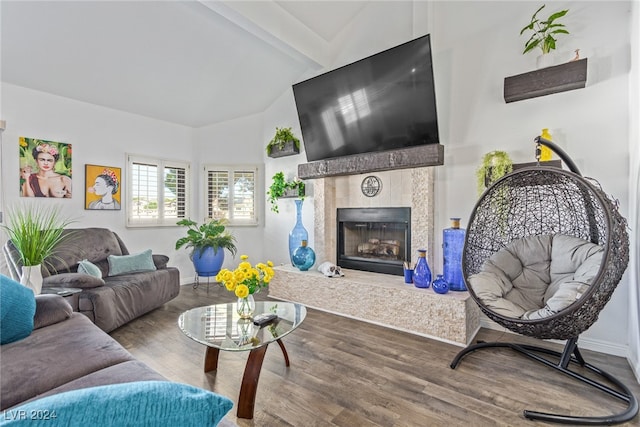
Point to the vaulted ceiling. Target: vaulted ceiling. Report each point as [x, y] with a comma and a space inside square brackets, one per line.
[192, 63]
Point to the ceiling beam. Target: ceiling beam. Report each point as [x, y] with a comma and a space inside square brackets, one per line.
[271, 23]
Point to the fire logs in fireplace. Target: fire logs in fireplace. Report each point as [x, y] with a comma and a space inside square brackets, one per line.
[380, 248]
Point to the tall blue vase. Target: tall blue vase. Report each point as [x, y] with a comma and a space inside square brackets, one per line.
[298, 234]
[452, 245]
[422, 272]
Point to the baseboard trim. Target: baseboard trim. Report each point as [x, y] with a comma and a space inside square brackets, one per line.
[584, 343]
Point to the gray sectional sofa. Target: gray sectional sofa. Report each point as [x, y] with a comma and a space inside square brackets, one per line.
[66, 353]
[111, 300]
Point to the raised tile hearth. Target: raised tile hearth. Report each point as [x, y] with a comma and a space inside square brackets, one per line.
[382, 299]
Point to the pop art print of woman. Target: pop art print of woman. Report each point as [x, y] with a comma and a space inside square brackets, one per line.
[48, 172]
[106, 186]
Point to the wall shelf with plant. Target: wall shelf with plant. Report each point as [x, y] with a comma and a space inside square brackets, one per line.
[283, 143]
[547, 79]
[282, 188]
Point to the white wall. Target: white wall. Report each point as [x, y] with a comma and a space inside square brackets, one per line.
[634, 196]
[99, 136]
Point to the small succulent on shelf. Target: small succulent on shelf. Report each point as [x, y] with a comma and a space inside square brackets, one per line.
[282, 136]
[279, 186]
[544, 31]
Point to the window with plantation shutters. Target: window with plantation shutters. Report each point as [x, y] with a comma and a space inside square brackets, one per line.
[158, 191]
[231, 193]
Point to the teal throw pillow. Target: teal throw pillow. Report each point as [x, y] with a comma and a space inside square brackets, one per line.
[135, 404]
[87, 267]
[17, 308]
[131, 263]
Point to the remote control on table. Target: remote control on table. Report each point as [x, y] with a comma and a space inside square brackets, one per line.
[264, 318]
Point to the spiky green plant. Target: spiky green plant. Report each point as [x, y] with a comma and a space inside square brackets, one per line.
[35, 231]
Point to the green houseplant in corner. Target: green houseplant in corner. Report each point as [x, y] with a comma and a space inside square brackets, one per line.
[544, 33]
[208, 240]
[283, 143]
[281, 187]
[35, 231]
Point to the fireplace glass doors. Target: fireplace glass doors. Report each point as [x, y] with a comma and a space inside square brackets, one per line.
[374, 239]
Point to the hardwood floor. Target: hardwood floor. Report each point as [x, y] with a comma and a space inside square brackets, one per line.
[349, 373]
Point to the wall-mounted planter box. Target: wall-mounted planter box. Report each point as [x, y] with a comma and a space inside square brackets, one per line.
[289, 149]
[290, 193]
[559, 78]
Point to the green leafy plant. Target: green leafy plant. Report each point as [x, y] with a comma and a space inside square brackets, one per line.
[210, 234]
[282, 136]
[544, 31]
[35, 231]
[279, 185]
[495, 164]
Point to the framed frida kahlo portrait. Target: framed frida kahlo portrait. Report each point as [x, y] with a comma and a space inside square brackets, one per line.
[45, 168]
[102, 185]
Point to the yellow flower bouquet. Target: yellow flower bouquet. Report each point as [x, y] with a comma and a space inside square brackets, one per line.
[245, 281]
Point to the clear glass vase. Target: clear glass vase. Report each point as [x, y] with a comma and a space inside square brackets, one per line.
[246, 307]
[298, 233]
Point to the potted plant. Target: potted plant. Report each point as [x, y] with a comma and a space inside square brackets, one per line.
[495, 164]
[208, 241]
[283, 143]
[280, 187]
[35, 231]
[543, 35]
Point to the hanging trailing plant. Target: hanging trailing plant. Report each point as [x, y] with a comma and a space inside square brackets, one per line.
[279, 187]
[495, 165]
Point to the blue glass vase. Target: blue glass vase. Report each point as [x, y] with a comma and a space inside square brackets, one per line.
[422, 272]
[452, 245]
[298, 234]
[440, 286]
[303, 257]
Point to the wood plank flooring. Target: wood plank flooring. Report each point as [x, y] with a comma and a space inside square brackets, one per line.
[349, 373]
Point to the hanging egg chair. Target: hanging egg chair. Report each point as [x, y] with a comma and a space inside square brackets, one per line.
[545, 249]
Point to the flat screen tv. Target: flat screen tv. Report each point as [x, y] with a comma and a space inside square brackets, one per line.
[384, 102]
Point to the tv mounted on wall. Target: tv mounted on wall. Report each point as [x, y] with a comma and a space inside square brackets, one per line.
[383, 102]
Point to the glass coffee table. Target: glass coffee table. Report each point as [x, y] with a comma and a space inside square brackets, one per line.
[220, 328]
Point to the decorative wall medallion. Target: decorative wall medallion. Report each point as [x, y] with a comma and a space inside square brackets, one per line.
[371, 186]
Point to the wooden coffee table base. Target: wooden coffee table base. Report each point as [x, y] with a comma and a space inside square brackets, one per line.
[247, 398]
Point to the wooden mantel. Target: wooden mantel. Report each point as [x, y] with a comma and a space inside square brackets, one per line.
[413, 157]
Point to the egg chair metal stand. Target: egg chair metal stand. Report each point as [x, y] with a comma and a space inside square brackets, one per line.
[540, 200]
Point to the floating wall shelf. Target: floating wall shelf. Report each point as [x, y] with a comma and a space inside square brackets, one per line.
[413, 157]
[559, 78]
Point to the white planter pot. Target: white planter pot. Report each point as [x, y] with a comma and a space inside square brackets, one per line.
[32, 278]
[544, 61]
